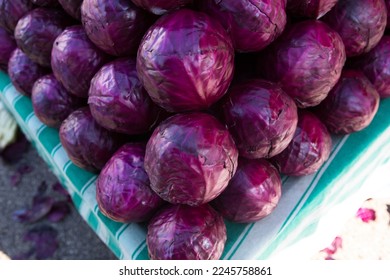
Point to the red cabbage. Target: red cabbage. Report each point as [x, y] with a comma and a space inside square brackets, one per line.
[123, 188]
[88, 145]
[75, 60]
[23, 72]
[182, 232]
[118, 100]
[11, 11]
[115, 26]
[376, 66]
[307, 61]
[36, 31]
[190, 158]
[252, 194]
[185, 61]
[261, 118]
[309, 148]
[351, 105]
[51, 102]
[361, 24]
[252, 24]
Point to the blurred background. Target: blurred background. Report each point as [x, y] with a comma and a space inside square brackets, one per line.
[37, 218]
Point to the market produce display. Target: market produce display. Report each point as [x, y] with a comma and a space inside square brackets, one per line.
[361, 24]
[36, 31]
[252, 25]
[353, 103]
[119, 102]
[127, 196]
[190, 112]
[24, 72]
[52, 103]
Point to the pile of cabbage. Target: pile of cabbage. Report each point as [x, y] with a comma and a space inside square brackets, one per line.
[190, 111]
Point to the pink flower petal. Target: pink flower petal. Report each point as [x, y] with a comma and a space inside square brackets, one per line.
[337, 243]
[366, 214]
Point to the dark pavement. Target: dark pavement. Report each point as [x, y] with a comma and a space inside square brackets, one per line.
[75, 239]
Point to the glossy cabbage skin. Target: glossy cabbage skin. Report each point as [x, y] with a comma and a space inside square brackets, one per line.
[72, 7]
[123, 188]
[252, 194]
[314, 9]
[118, 100]
[51, 102]
[11, 11]
[160, 7]
[376, 66]
[260, 133]
[7, 46]
[115, 26]
[23, 72]
[307, 62]
[309, 148]
[182, 232]
[75, 60]
[36, 32]
[88, 145]
[361, 24]
[186, 61]
[351, 105]
[190, 158]
[252, 24]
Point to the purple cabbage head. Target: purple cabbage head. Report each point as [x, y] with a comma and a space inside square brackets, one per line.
[182, 232]
[75, 60]
[11, 11]
[351, 104]
[45, 3]
[190, 158]
[185, 61]
[115, 26]
[309, 148]
[123, 188]
[36, 32]
[119, 102]
[160, 7]
[252, 194]
[23, 72]
[88, 145]
[361, 24]
[51, 102]
[376, 66]
[314, 9]
[252, 24]
[7, 46]
[307, 62]
[261, 117]
[72, 7]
